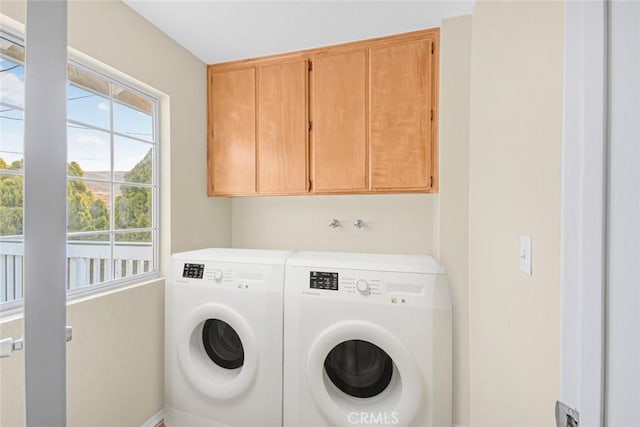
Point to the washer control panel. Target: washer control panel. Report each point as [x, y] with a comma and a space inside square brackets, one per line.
[193, 271]
[227, 275]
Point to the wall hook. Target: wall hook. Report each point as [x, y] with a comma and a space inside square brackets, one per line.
[359, 224]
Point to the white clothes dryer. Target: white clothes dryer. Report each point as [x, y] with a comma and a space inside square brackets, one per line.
[223, 338]
[367, 341]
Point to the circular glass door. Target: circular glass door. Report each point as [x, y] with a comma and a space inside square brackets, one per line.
[359, 368]
[222, 344]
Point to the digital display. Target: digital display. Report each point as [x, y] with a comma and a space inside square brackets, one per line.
[323, 280]
[193, 271]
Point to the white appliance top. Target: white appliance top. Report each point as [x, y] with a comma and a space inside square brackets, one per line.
[244, 256]
[372, 262]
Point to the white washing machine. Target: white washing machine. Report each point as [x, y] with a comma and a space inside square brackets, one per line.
[367, 341]
[223, 338]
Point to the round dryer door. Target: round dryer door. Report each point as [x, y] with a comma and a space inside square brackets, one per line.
[222, 344]
[217, 351]
[358, 369]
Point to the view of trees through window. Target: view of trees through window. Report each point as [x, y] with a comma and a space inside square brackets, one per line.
[86, 211]
[111, 149]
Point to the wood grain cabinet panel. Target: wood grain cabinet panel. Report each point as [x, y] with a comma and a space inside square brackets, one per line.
[359, 117]
[400, 124]
[282, 128]
[338, 110]
[232, 137]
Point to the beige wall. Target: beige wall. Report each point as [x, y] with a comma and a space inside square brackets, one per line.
[12, 380]
[454, 195]
[115, 360]
[514, 177]
[394, 223]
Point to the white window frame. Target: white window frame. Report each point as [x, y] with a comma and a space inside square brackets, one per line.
[13, 308]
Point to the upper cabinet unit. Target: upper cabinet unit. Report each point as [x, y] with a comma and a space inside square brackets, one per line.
[232, 132]
[339, 122]
[349, 119]
[400, 143]
[282, 128]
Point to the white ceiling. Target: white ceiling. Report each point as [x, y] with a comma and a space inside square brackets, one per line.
[218, 31]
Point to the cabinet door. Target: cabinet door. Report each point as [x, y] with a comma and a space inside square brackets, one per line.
[400, 124]
[338, 112]
[282, 128]
[232, 142]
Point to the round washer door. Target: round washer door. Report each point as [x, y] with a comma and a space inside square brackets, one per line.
[358, 367]
[217, 351]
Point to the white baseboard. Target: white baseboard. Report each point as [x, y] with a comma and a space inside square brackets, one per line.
[155, 419]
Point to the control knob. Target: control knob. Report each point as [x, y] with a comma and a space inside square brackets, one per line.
[217, 275]
[362, 286]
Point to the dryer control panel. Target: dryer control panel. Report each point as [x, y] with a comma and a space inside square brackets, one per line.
[344, 283]
[193, 271]
[366, 286]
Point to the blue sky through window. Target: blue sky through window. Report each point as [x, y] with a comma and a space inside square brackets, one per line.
[11, 119]
[89, 147]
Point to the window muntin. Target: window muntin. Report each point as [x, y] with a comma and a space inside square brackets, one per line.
[112, 187]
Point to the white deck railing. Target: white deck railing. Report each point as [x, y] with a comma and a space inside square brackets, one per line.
[88, 263]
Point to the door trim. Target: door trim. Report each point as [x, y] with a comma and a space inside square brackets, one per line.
[584, 210]
[45, 240]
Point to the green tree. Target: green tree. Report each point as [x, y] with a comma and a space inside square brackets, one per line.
[10, 200]
[133, 204]
[85, 212]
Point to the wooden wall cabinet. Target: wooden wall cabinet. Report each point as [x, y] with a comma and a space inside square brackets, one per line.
[282, 128]
[339, 130]
[354, 118]
[232, 132]
[400, 117]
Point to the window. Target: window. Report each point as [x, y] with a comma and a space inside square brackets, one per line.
[112, 187]
[11, 174]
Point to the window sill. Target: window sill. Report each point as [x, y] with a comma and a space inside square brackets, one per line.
[15, 312]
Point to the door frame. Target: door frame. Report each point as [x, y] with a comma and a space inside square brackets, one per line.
[45, 167]
[584, 198]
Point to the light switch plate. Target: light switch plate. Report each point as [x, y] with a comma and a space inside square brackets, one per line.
[525, 254]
